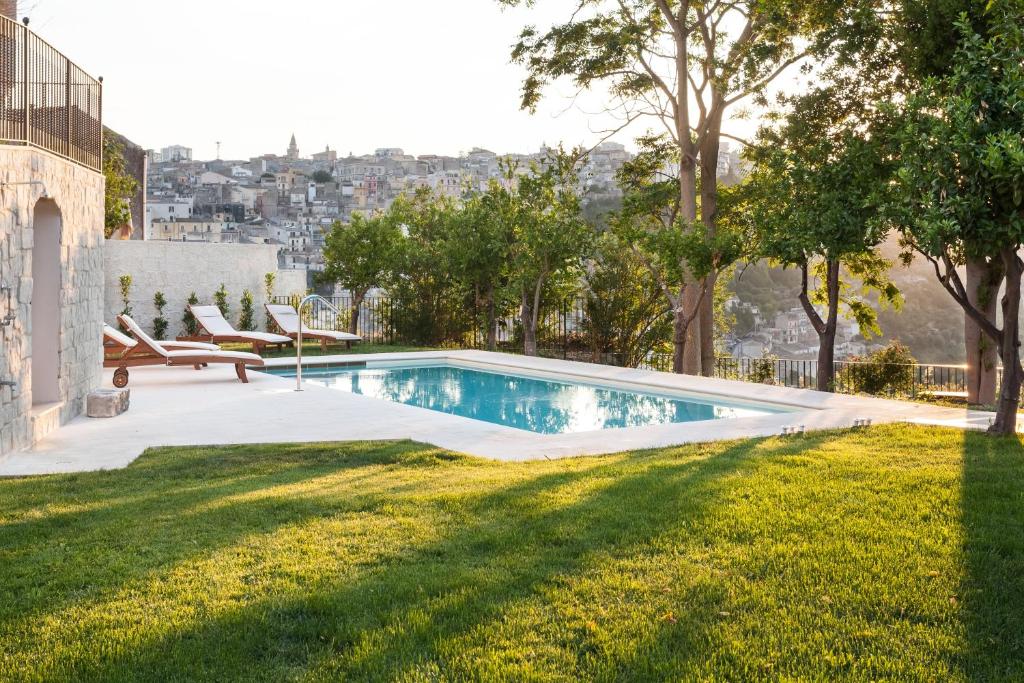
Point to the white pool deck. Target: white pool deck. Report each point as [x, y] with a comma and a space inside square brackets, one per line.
[184, 407]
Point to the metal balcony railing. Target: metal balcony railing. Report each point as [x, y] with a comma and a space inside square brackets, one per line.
[46, 100]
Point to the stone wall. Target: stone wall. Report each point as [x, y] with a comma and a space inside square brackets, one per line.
[78, 194]
[179, 268]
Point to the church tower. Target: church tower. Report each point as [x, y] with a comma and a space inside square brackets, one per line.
[293, 149]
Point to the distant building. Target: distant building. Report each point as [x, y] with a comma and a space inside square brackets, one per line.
[173, 153]
[293, 149]
[328, 156]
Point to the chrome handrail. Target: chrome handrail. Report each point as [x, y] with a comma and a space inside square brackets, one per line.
[298, 341]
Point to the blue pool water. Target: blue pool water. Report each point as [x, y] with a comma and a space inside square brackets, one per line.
[537, 405]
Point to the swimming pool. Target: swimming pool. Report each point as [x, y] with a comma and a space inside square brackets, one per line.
[537, 404]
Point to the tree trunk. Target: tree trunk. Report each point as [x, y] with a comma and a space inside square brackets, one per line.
[826, 329]
[492, 323]
[1013, 374]
[982, 284]
[690, 352]
[708, 216]
[707, 328]
[688, 349]
[353, 318]
[529, 322]
[679, 341]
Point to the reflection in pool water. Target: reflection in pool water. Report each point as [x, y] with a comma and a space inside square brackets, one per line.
[536, 405]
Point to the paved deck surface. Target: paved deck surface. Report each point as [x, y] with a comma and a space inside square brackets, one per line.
[181, 407]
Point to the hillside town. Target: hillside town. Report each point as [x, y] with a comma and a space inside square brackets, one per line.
[292, 200]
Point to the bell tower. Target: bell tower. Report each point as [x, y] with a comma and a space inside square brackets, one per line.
[293, 149]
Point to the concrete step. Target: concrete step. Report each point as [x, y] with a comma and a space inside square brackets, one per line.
[45, 419]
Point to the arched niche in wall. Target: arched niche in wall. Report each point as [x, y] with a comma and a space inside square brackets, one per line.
[47, 273]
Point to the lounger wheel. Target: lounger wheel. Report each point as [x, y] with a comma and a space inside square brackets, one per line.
[121, 378]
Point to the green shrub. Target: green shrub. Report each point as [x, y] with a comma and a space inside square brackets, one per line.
[888, 371]
[159, 322]
[268, 290]
[762, 370]
[247, 319]
[188, 321]
[220, 300]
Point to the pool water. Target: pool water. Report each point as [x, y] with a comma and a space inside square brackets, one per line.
[537, 405]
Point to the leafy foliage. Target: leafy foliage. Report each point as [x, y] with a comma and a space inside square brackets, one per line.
[626, 314]
[160, 323]
[188, 321]
[888, 371]
[119, 187]
[247, 317]
[220, 300]
[125, 283]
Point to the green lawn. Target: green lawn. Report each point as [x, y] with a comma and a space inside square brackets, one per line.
[892, 552]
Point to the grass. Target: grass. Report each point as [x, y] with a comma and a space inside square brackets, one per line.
[891, 552]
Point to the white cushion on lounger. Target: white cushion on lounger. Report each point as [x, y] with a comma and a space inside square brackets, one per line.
[126, 341]
[214, 323]
[333, 334]
[240, 356]
[288, 320]
[171, 344]
[118, 336]
[139, 333]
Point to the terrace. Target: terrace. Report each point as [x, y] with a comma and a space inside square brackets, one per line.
[374, 528]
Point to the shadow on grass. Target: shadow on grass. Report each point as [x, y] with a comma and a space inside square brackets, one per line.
[159, 512]
[404, 614]
[993, 589]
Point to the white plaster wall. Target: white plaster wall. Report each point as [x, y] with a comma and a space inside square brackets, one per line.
[178, 268]
[78, 193]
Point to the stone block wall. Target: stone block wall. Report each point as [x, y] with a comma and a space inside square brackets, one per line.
[179, 268]
[78, 194]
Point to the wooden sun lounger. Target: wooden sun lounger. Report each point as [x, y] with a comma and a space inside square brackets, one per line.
[147, 351]
[214, 328]
[285, 317]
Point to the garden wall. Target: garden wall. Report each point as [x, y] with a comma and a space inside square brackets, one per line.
[179, 268]
[51, 292]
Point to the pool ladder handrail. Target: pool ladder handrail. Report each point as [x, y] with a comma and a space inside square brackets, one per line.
[298, 340]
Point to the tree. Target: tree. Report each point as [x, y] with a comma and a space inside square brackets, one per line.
[961, 179]
[125, 283]
[220, 300]
[680, 259]
[322, 176]
[625, 311]
[814, 201]
[247, 317]
[549, 238]
[159, 322]
[119, 188]
[362, 254]
[478, 245]
[188, 321]
[682, 65]
[268, 293]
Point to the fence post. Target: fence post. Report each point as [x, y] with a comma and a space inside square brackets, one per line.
[68, 119]
[565, 330]
[24, 83]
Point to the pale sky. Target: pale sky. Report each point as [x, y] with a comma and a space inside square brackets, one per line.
[426, 76]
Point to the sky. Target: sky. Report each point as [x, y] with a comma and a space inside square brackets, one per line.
[427, 76]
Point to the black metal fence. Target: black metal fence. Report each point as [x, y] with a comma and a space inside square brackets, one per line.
[46, 100]
[564, 332]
